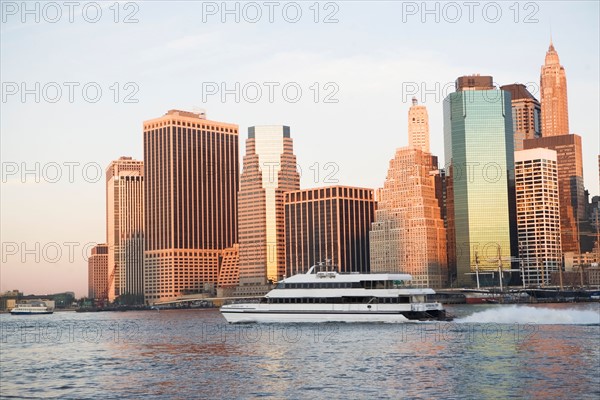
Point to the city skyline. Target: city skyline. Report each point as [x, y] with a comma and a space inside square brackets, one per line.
[315, 146]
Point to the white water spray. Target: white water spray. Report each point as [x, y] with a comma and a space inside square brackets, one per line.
[535, 315]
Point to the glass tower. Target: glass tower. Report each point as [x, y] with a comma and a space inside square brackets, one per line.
[479, 151]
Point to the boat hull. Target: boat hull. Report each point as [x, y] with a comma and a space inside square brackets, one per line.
[30, 312]
[245, 314]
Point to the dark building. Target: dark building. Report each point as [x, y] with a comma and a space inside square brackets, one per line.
[474, 82]
[329, 223]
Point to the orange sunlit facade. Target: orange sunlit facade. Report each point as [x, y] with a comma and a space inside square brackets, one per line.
[191, 183]
[125, 226]
[269, 171]
[526, 111]
[570, 184]
[418, 127]
[98, 272]
[408, 234]
[553, 89]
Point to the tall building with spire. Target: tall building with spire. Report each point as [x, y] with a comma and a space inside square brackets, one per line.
[125, 228]
[553, 88]
[568, 147]
[408, 233]
[269, 171]
[418, 127]
[191, 175]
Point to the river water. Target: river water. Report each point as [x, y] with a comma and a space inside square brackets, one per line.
[488, 352]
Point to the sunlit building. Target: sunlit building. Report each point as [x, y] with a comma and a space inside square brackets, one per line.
[408, 234]
[191, 182]
[479, 153]
[526, 112]
[125, 227]
[328, 224]
[418, 127]
[570, 184]
[553, 89]
[269, 171]
[538, 216]
[98, 272]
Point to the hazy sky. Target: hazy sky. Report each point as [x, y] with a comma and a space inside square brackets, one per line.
[178, 54]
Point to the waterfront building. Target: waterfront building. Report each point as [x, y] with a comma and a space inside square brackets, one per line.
[328, 224]
[269, 171]
[125, 227]
[479, 153]
[570, 185]
[408, 233]
[98, 277]
[191, 178]
[538, 216]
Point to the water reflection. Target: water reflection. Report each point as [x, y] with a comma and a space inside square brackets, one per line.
[195, 354]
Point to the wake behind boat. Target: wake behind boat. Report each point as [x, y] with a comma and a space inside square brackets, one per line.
[328, 296]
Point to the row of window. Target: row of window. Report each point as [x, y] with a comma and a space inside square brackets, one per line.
[338, 300]
[343, 285]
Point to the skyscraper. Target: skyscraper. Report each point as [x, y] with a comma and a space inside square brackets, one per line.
[269, 171]
[526, 112]
[408, 234]
[98, 272]
[553, 88]
[479, 152]
[418, 127]
[570, 184]
[125, 227]
[538, 216]
[191, 183]
[328, 223]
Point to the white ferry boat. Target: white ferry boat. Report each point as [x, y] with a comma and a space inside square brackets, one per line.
[31, 308]
[328, 296]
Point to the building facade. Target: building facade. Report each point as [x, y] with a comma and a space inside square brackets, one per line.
[526, 114]
[553, 89]
[125, 227]
[570, 184]
[418, 127]
[269, 171]
[479, 153]
[538, 215]
[328, 224]
[191, 178]
[408, 235]
[98, 276]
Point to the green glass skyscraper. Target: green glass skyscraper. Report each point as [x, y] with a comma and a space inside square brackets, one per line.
[479, 152]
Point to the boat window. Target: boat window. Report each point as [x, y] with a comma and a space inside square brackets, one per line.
[280, 285]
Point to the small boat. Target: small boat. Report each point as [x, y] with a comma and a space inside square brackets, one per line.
[328, 296]
[32, 308]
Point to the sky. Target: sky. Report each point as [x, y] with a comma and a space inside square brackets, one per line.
[78, 81]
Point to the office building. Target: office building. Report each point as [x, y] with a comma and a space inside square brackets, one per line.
[191, 180]
[328, 224]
